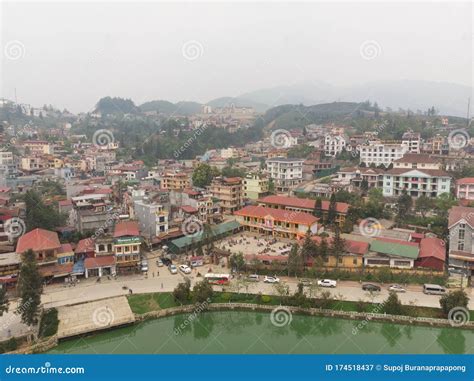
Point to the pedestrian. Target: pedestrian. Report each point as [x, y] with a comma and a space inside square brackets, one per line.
[153, 274]
[157, 273]
[161, 284]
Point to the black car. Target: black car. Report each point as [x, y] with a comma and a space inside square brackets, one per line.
[166, 261]
[370, 287]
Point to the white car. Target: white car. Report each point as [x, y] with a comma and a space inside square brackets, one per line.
[173, 269]
[327, 283]
[185, 269]
[144, 265]
[396, 288]
[271, 279]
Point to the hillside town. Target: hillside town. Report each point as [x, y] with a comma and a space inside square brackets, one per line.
[325, 203]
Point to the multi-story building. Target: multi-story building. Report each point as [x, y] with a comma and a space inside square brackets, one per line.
[334, 144]
[276, 222]
[461, 239]
[92, 211]
[33, 163]
[152, 219]
[436, 145]
[412, 140]
[416, 175]
[127, 243]
[380, 153]
[295, 204]
[38, 147]
[286, 173]
[8, 165]
[228, 190]
[255, 186]
[465, 188]
[175, 181]
[205, 207]
[356, 175]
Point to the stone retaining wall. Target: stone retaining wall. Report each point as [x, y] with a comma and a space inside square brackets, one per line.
[400, 319]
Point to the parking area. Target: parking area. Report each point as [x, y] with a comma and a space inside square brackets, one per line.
[247, 244]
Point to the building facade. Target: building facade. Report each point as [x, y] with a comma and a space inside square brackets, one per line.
[286, 173]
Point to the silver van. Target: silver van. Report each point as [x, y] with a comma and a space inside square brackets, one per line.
[433, 289]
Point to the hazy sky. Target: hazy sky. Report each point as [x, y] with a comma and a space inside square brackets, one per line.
[72, 54]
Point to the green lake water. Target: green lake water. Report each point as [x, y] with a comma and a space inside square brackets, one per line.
[253, 332]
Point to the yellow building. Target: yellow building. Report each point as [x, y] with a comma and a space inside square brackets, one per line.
[255, 186]
[175, 181]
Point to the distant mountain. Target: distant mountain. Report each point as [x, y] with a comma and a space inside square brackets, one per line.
[238, 102]
[109, 105]
[448, 98]
[168, 108]
[297, 116]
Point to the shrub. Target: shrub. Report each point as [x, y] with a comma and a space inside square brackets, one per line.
[202, 292]
[49, 323]
[9, 345]
[392, 305]
[360, 306]
[226, 296]
[182, 292]
[265, 299]
[453, 299]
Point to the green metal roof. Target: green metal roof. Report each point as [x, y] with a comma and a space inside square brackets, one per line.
[393, 248]
[217, 230]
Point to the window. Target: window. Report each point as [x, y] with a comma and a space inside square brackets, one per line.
[354, 261]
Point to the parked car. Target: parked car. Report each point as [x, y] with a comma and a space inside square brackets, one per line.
[271, 279]
[173, 269]
[144, 265]
[185, 269]
[166, 261]
[306, 282]
[253, 278]
[370, 287]
[396, 288]
[159, 263]
[327, 283]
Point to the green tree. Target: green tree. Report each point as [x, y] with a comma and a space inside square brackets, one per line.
[309, 249]
[404, 204]
[237, 262]
[332, 213]
[30, 286]
[453, 299]
[324, 248]
[443, 203]
[3, 300]
[40, 215]
[203, 175]
[271, 186]
[423, 205]
[202, 292]
[318, 208]
[338, 245]
[364, 186]
[295, 261]
[392, 305]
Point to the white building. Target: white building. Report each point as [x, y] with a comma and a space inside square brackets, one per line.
[286, 173]
[152, 218]
[381, 153]
[334, 144]
[412, 140]
[416, 175]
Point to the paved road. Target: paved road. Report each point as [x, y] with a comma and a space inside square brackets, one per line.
[90, 290]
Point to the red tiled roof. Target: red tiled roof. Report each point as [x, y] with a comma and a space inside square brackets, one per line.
[126, 228]
[189, 209]
[85, 245]
[56, 270]
[433, 247]
[102, 261]
[277, 214]
[457, 213]
[232, 180]
[65, 202]
[304, 203]
[353, 247]
[38, 239]
[466, 180]
[416, 158]
[65, 248]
